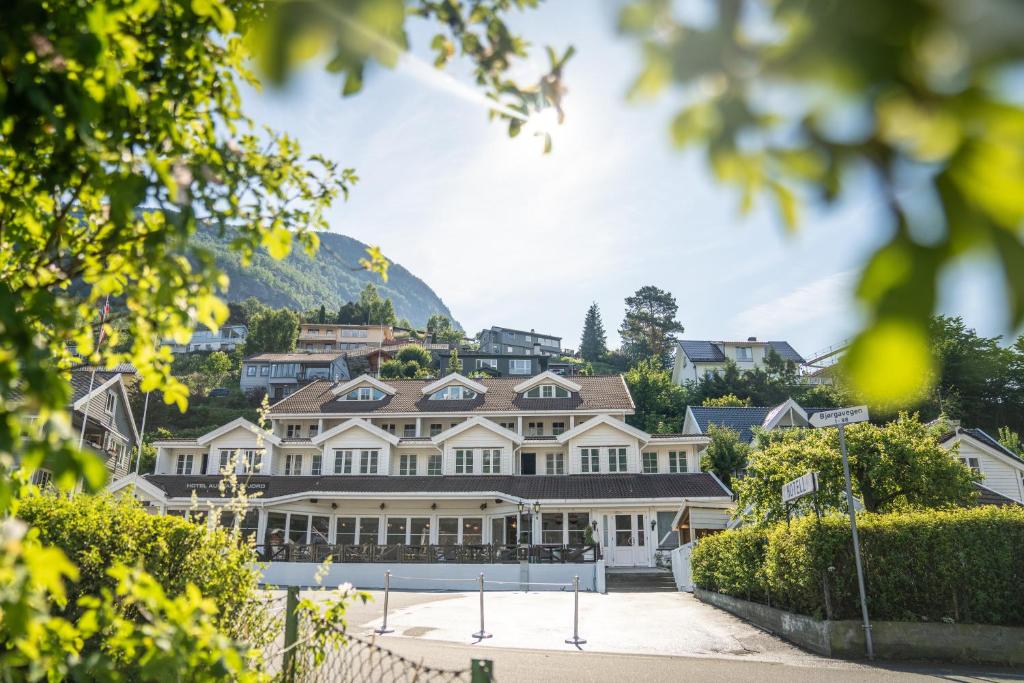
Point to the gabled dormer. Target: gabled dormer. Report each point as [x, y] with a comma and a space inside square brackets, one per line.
[454, 387]
[546, 385]
[363, 388]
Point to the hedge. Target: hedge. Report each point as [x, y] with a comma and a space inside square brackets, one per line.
[97, 532]
[963, 565]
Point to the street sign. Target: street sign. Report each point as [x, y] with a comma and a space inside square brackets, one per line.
[800, 487]
[839, 416]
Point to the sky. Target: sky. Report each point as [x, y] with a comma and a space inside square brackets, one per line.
[509, 236]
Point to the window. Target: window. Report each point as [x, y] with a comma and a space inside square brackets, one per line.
[535, 429]
[42, 478]
[519, 366]
[973, 463]
[345, 531]
[510, 426]
[491, 458]
[557, 428]
[650, 463]
[293, 431]
[472, 530]
[284, 369]
[578, 523]
[293, 464]
[184, 465]
[250, 370]
[317, 466]
[313, 430]
[552, 525]
[342, 462]
[369, 530]
[590, 460]
[264, 370]
[354, 333]
[487, 363]
[253, 460]
[463, 461]
[448, 531]
[434, 466]
[388, 427]
[547, 391]
[395, 529]
[677, 462]
[111, 402]
[407, 464]
[227, 456]
[368, 462]
[435, 429]
[744, 353]
[364, 394]
[555, 463]
[453, 393]
[409, 431]
[616, 459]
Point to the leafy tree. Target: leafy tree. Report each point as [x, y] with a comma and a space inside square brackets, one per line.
[893, 466]
[442, 331]
[918, 108]
[416, 354]
[391, 369]
[726, 455]
[1010, 440]
[727, 401]
[593, 344]
[242, 312]
[660, 402]
[649, 326]
[454, 364]
[375, 309]
[273, 332]
[350, 314]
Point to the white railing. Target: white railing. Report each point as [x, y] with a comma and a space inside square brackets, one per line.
[681, 567]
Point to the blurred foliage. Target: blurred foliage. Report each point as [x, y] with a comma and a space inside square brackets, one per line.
[892, 467]
[792, 99]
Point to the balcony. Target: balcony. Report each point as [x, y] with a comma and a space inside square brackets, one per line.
[429, 554]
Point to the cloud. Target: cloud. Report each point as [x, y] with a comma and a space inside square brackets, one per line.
[816, 301]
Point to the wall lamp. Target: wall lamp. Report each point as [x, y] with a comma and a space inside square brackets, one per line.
[536, 507]
[654, 523]
[334, 506]
[593, 525]
[521, 507]
[483, 506]
[433, 506]
[382, 506]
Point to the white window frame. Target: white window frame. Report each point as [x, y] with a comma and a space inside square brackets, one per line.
[250, 370]
[293, 431]
[226, 456]
[491, 363]
[678, 462]
[745, 354]
[490, 461]
[184, 463]
[554, 463]
[971, 463]
[407, 464]
[515, 366]
[409, 431]
[590, 460]
[617, 463]
[343, 461]
[292, 464]
[645, 461]
[369, 461]
[253, 459]
[435, 465]
[316, 466]
[464, 461]
[111, 403]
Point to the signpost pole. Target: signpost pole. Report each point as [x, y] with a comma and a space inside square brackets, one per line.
[856, 543]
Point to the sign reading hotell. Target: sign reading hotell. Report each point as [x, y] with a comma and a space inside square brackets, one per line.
[212, 488]
[800, 487]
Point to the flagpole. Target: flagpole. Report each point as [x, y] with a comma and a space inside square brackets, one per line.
[142, 432]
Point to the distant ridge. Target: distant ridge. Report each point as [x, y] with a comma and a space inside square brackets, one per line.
[331, 278]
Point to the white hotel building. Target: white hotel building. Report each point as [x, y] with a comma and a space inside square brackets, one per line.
[455, 470]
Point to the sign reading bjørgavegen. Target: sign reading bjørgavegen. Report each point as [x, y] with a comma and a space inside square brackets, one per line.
[839, 416]
[800, 487]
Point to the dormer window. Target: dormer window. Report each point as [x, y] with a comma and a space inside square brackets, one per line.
[547, 391]
[454, 392]
[364, 394]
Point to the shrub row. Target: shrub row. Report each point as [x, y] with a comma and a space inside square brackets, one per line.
[98, 532]
[964, 565]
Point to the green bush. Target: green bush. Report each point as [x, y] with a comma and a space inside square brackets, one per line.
[964, 565]
[100, 532]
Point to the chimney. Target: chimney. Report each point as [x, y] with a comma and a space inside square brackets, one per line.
[751, 338]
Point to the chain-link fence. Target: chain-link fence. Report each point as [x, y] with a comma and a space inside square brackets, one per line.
[309, 651]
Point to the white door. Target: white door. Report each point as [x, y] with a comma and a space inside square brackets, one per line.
[628, 540]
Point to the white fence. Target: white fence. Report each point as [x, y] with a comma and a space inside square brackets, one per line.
[681, 567]
[459, 577]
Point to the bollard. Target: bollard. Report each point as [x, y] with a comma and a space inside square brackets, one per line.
[576, 640]
[387, 590]
[291, 633]
[482, 633]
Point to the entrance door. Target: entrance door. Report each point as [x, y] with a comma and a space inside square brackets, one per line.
[528, 463]
[628, 541]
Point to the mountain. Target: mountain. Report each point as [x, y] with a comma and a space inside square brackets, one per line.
[330, 278]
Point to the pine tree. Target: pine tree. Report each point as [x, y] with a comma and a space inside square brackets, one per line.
[593, 345]
[648, 330]
[454, 364]
[321, 317]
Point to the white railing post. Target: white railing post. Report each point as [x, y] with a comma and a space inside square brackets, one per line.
[576, 640]
[482, 633]
[387, 591]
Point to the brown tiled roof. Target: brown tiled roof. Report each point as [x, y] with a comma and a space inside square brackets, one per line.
[604, 392]
[296, 357]
[541, 488]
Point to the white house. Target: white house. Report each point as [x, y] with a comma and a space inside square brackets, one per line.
[227, 338]
[416, 470]
[696, 358]
[1002, 468]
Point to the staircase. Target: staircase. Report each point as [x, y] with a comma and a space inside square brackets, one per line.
[640, 580]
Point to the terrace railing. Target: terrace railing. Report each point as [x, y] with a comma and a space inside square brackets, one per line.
[429, 554]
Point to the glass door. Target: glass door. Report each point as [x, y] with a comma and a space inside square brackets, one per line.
[629, 540]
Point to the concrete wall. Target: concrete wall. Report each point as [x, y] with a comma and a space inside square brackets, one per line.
[891, 639]
[450, 577]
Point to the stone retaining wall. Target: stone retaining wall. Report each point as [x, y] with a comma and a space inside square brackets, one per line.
[891, 639]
